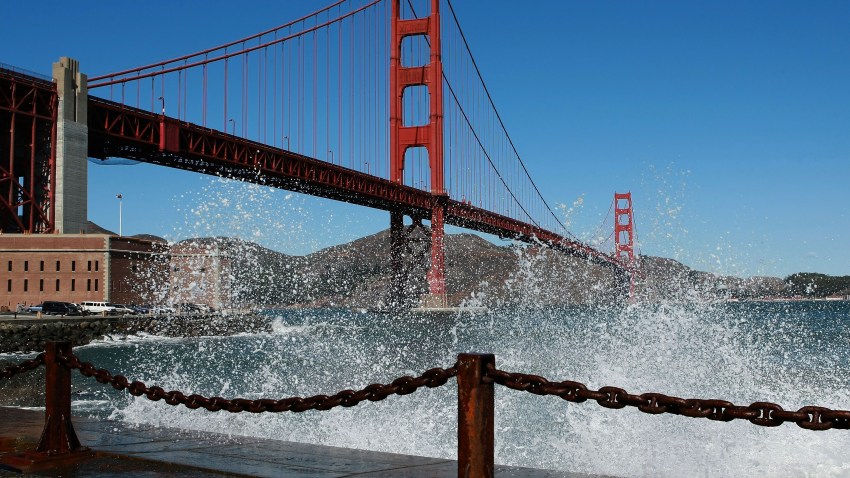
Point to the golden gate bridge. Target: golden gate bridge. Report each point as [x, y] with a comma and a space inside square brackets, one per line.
[376, 103]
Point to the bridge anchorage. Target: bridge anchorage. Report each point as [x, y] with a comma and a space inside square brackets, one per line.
[318, 105]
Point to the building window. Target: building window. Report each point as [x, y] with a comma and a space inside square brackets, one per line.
[41, 285]
[57, 285]
[89, 266]
[26, 266]
[96, 266]
[73, 285]
[9, 285]
[95, 285]
[73, 266]
[10, 266]
[41, 266]
[26, 285]
[88, 285]
[57, 266]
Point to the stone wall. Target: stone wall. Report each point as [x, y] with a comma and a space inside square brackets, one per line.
[25, 335]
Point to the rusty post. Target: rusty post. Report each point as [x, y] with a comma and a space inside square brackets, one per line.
[475, 416]
[59, 445]
[58, 435]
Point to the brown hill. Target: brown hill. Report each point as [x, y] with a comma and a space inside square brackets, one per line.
[358, 274]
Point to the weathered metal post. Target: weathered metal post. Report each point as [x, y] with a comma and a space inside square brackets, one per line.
[475, 416]
[58, 435]
[59, 444]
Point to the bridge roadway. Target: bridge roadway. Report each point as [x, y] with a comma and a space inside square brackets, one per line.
[117, 130]
[143, 450]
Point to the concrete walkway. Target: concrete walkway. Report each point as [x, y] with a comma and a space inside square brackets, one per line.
[148, 451]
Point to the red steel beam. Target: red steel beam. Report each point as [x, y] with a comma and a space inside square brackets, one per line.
[28, 113]
[116, 130]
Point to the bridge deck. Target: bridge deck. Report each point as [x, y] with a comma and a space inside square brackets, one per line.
[135, 449]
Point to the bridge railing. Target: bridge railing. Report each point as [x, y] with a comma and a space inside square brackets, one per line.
[476, 376]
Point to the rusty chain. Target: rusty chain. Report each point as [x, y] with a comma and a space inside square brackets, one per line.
[759, 413]
[433, 378]
[765, 414]
[24, 366]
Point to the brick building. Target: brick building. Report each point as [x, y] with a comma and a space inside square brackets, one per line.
[81, 267]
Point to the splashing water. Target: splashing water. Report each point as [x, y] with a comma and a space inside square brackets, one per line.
[790, 353]
[252, 212]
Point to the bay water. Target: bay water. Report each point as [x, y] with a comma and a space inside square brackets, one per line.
[791, 353]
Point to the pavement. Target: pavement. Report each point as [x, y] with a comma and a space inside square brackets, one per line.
[147, 451]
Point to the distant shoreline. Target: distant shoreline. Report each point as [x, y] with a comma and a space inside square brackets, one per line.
[791, 299]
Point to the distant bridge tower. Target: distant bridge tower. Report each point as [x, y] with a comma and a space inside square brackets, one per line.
[428, 136]
[624, 235]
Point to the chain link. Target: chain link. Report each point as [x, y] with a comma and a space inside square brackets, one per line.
[24, 366]
[433, 378]
[764, 414]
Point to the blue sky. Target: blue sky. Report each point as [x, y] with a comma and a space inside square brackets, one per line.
[728, 121]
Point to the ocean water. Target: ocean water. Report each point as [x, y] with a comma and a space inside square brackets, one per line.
[794, 354]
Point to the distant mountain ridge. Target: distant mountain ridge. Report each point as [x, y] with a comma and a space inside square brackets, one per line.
[359, 273]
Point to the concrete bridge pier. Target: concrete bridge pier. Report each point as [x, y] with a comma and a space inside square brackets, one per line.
[410, 249]
[436, 296]
[71, 183]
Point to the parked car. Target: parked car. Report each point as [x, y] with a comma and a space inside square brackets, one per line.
[94, 307]
[79, 308]
[162, 309]
[140, 309]
[59, 308]
[121, 309]
[35, 308]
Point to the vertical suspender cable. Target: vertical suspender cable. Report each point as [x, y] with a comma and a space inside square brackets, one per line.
[351, 145]
[300, 94]
[224, 120]
[186, 93]
[288, 102]
[204, 113]
[275, 84]
[244, 84]
[339, 89]
[315, 109]
[362, 79]
[328, 88]
[259, 94]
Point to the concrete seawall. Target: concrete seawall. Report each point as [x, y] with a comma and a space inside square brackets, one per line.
[28, 333]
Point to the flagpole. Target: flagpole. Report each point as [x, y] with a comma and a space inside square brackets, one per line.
[120, 215]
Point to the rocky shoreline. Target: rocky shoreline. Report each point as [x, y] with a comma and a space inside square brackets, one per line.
[22, 334]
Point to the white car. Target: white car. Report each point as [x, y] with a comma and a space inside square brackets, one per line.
[121, 309]
[93, 307]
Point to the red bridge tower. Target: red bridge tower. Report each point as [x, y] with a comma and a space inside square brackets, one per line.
[429, 136]
[624, 235]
